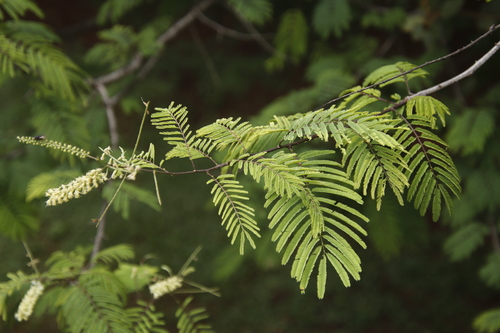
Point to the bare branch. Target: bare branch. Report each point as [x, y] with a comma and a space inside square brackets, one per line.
[99, 237]
[492, 28]
[206, 57]
[110, 114]
[220, 29]
[460, 76]
[254, 32]
[119, 73]
[138, 59]
[446, 83]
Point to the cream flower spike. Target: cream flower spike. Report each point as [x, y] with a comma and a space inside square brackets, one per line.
[76, 188]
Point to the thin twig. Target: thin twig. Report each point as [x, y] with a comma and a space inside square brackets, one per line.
[99, 236]
[137, 60]
[254, 32]
[446, 83]
[147, 66]
[220, 29]
[33, 261]
[492, 28]
[206, 57]
[460, 76]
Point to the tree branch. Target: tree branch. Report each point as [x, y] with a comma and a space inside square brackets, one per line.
[444, 84]
[110, 114]
[99, 236]
[220, 29]
[460, 76]
[254, 32]
[492, 28]
[137, 60]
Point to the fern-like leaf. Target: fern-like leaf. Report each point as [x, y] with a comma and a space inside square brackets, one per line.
[67, 264]
[145, 319]
[331, 17]
[432, 174]
[16, 219]
[88, 307]
[113, 10]
[470, 131]
[35, 55]
[387, 72]
[465, 240]
[427, 107]
[306, 225]
[114, 254]
[291, 38]
[116, 49]
[17, 8]
[237, 216]
[375, 166]
[190, 320]
[256, 11]
[17, 281]
[230, 134]
[488, 321]
[172, 122]
[278, 172]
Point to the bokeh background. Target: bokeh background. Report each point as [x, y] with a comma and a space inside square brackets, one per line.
[255, 59]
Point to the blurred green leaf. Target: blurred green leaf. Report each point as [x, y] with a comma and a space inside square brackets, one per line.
[488, 321]
[465, 240]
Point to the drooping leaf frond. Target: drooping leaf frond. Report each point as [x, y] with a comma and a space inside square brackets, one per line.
[307, 225]
[431, 172]
[192, 320]
[375, 166]
[17, 8]
[37, 56]
[238, 218]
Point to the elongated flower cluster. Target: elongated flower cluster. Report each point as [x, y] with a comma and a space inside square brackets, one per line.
[41, 141]
[26, 306]
[163, 287]
[80, 186]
